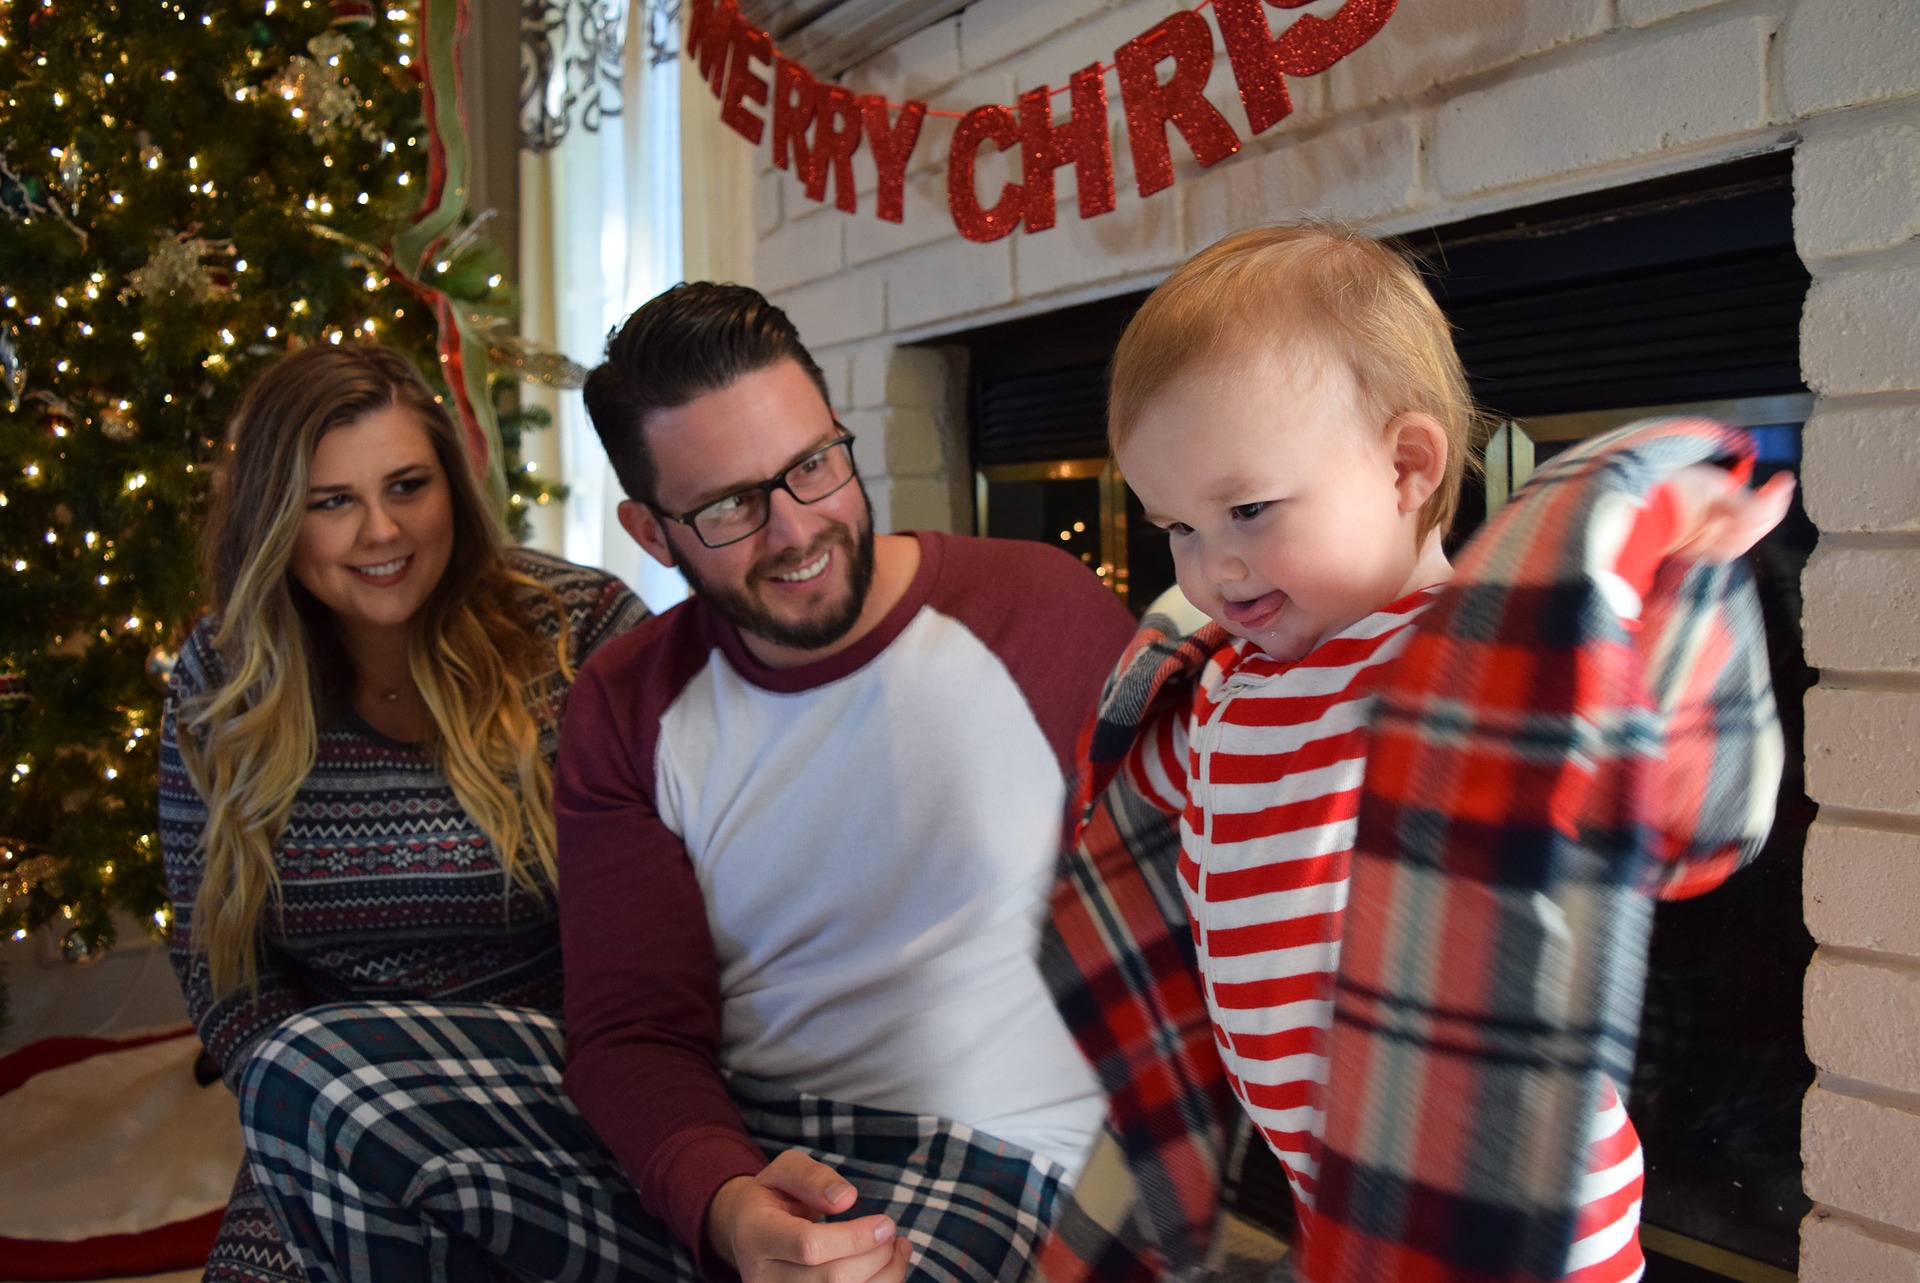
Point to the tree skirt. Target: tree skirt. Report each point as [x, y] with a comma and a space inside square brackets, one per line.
[116, 1162]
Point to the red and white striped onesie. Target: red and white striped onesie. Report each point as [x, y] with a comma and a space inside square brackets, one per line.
[1265, 773]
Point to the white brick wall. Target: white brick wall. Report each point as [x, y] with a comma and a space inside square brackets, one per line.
[1836, 1249]
[1856, 222]
[1863, 888]
[1646, 94]
[1457, 108]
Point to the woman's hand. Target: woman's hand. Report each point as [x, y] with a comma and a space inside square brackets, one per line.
[1720, 519]
[770, 1228]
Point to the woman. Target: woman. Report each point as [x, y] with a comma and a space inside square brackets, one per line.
[355, 788]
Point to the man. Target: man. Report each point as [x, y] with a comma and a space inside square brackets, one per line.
[807, 824]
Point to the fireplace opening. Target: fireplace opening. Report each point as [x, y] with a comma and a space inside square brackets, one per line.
[1681, 295]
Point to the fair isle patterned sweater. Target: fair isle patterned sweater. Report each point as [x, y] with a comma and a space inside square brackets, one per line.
[389, 889]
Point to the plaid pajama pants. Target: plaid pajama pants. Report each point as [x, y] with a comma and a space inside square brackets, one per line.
[402, 1141]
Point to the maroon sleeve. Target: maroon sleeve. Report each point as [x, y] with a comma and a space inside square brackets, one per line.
[642, 983]
[1056, 627]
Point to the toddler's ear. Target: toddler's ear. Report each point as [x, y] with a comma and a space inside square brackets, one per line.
[1419, 445]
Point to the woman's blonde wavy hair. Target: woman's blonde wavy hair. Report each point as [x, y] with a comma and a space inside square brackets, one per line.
[249, 742]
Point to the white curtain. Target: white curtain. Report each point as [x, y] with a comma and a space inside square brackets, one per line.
[601, 234]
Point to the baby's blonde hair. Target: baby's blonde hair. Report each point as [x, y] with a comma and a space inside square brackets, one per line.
[1317, 290]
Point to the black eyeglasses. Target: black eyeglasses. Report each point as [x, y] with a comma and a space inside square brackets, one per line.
[733, 517]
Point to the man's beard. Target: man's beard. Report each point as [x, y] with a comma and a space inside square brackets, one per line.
[741, 607]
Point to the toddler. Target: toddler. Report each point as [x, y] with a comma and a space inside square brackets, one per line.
[1289, 407]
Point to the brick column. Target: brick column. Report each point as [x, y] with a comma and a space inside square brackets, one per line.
[1857, 224]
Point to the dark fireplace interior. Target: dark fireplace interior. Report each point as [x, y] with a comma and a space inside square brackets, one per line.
[1681, 294]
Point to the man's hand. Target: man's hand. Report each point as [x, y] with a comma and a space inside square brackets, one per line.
[769, 1227]
[1720, 519]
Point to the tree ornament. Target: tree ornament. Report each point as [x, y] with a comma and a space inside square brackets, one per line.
[532, 363]
[351, 13]
[13, 690]
[13, 371]
[319, 88]
[81, 949]
[160, 662]
[116, 423]
[71, 171]
[177, 267]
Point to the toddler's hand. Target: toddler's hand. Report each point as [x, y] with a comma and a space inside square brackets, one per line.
[1720, 519]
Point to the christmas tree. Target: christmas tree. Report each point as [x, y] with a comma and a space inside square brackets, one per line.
[188, 188]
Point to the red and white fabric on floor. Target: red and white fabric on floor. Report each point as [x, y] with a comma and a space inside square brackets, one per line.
[116, 1162]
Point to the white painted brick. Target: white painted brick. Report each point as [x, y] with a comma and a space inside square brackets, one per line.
[869, 428]
[1138, 236]
[802, 250]
[1436, 42]
[766, 202]
[1863, 1021]
[1861, 1156]
[870, 375]
[919, 504]
[947, 280]
[1841, 53]
[1858, 333]
[992, 31]
[836, 366]
[922, 64]
[1863, 749]
[1359, 173]
[1862, 468]
[924, 220]
[852, 305]
[1856, 191]
[1092, 40]
[1862, 608]
[1862, 888]
[1833, 1250]
[879, 499]
[915, 436]
[1642, 97]
[1639, 13]
[904, 376]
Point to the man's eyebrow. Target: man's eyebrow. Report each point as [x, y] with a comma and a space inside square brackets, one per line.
[714, 496]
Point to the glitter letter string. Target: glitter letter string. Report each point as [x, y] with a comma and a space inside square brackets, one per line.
[817, 127]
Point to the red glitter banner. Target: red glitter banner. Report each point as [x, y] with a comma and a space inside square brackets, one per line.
[817, 127]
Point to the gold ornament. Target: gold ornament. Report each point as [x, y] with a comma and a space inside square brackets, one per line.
[531, 363]
[160, 662]
[70, 170]
[116, 424]
[177, 267]
[318, 90]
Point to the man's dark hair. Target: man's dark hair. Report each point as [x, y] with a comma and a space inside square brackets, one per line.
[695, 338]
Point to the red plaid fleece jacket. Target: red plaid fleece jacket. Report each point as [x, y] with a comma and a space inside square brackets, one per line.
[1546, 752]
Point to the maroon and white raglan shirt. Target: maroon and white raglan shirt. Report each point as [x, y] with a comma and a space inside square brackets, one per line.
[828, 877]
